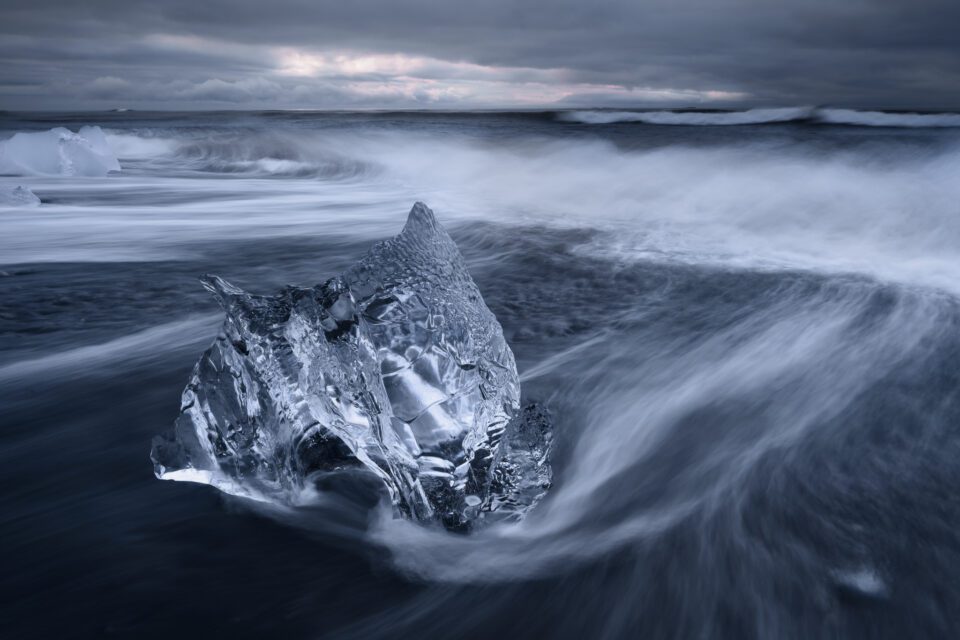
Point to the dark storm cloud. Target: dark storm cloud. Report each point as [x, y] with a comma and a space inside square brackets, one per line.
[309, 53]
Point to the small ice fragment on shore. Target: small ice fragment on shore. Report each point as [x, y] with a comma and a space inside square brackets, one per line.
[58, 152]
[864, 581]
[396, 365]
[18, 197]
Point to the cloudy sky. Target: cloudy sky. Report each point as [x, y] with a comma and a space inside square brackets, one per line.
[449, 54]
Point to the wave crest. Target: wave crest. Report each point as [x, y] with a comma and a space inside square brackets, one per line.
[691, 118]
[888, 119]
[241, 153]
[851, 117]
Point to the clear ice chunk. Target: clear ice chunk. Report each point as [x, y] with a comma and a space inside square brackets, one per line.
[396, 365]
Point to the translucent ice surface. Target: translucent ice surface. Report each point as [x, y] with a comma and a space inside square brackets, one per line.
[58, 152]
[396, 365]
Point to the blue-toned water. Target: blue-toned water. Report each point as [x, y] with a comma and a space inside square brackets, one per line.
[747, 335]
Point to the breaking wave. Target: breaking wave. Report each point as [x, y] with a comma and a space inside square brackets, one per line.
[888, 119]
[691, 118]
[767, 116]
[873, 210]
[242, 153]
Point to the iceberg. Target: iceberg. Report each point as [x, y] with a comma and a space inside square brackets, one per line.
[58, 152]
[18, 197]
[396, 366]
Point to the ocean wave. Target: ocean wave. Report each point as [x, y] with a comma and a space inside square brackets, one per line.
[133, 146]
[673, 404]
[351, 155]
[250, 153]
[766, 116]
[691, 118]
[644, 466]
[105, 357]
[887, 118]
[876, 211]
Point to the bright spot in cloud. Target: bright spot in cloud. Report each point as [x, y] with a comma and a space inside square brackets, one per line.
[434, 80]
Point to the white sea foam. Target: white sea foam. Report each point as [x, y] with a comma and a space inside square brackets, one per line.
[132, 146]
[741, 204]
[889, 215]
[767, 116]
[691, 118]
[602, 500]
[888, 119]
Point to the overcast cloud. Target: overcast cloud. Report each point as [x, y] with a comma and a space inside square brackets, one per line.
[185, 54]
